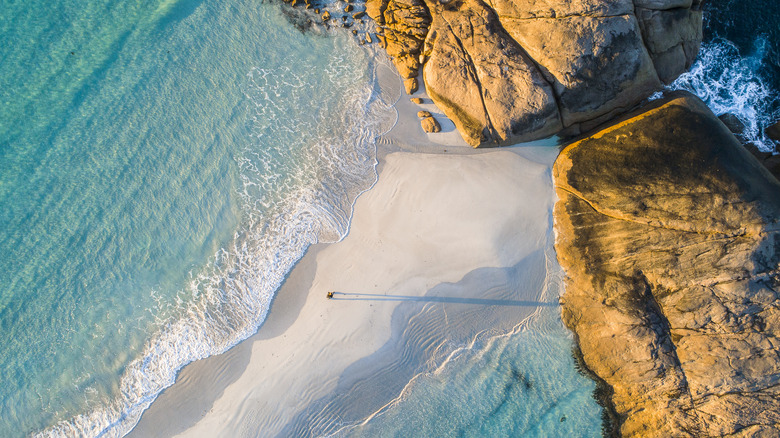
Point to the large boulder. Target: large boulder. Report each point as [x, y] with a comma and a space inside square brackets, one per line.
[669, 233]
[430, 125]
[672, 37]
[598, 65]
[482, 79]
[507, 71]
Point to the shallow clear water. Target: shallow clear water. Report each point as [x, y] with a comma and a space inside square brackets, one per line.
[506, 381]
[523, 383]
[162, 166]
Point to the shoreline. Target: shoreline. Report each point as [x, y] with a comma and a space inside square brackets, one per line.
[231, 388]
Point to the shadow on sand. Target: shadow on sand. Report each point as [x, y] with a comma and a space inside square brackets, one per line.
[344, 296]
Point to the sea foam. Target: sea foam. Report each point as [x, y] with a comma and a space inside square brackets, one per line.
[293, 195]
[730, 83]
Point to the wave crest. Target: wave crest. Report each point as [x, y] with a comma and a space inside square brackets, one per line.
[300, 176]
[730, 83]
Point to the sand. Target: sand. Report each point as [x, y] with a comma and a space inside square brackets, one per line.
[448, 245]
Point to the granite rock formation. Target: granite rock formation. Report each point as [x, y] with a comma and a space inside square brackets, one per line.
[405, 24]
[669, 233]
[430, 125]
[773, 132]
[507, 71]
[768, 159]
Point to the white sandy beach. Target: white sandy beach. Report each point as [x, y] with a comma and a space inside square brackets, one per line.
[445, 247]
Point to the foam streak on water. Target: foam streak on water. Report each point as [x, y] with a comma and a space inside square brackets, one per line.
[291, 196]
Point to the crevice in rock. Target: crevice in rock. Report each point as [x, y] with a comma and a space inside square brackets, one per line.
[544, 73]
[701, 400]
[643, 39]
[475, 76]
[562, 17]
[652, 223]
[663, 330]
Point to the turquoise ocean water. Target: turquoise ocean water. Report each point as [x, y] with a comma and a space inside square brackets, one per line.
[523, 383]
[164, 163]
[162, 166]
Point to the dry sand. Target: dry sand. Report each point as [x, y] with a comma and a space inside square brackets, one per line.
[446, 246]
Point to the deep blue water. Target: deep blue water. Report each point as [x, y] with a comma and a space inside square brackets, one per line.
[754, 28]
[738, 70]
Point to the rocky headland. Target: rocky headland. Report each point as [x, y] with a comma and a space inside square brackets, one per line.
[507, 71]
[669, 233]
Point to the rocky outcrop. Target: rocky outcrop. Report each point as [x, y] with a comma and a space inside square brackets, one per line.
[768, 159]
[773, 132]
[483, 80]
[672, 31]
[592, 52]
[405, 24]
[669, 233]
[507, 71]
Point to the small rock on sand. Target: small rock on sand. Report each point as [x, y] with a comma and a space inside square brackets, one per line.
[429, 124]
[411, 85]
[325, 16]
[417, 100]
[424, 114]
